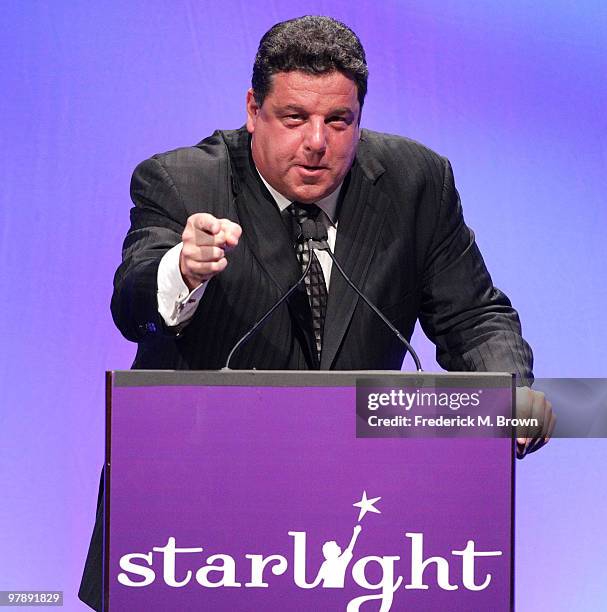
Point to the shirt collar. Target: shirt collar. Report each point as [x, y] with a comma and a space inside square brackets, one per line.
[328, 204]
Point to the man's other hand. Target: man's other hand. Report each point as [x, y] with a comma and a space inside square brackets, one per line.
[206, 240]
[532, 404]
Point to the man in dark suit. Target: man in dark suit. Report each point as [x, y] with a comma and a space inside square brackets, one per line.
[213, 238]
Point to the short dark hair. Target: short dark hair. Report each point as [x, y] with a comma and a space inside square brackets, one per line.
[312, 44]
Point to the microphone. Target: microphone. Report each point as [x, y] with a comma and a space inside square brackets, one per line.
[318, 240]
[315, 235]
[310, 230]
[269, 312]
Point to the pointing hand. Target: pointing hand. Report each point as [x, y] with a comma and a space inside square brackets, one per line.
[206, 241]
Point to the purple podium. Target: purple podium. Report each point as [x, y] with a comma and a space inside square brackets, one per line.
[254, 491]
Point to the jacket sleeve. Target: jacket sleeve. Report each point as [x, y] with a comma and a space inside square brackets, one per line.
[471, 322]
[157, 222]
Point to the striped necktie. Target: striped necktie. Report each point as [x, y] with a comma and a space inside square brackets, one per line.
[316, 287]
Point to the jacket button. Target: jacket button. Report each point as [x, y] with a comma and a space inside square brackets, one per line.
[148, 327]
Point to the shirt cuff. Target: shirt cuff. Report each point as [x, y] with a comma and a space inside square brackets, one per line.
[176, 303]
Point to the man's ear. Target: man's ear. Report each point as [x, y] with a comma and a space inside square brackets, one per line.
[252, 110]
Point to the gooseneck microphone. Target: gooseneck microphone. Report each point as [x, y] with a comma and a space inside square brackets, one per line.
[318, 240]
[268, 314]
[315, 236]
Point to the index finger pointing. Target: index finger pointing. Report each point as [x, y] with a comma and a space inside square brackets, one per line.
[206, 222]
[232, 231]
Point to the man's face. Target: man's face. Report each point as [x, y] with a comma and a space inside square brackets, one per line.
[305, 133]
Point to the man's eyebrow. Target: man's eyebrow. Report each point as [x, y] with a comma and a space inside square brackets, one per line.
[341, 110]
[289, 108]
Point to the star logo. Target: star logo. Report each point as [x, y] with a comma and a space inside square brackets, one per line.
[366, 505]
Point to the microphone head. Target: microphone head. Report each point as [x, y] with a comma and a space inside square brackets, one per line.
[308, 230]
[313, 230]
[321, 232]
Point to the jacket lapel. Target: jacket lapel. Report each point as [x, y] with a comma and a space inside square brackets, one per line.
[362, 213]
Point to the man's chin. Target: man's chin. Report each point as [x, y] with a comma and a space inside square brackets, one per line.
[308, 194]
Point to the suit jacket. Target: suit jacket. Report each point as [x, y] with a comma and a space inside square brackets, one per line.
[401, 238]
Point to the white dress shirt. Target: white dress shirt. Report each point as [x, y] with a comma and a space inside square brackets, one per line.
[177, 304]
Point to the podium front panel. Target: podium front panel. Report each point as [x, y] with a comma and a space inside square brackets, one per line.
[250, 491]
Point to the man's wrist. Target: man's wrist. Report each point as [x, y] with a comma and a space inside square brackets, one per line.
[177, 302]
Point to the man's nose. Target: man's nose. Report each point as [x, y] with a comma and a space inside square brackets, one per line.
[316, 137]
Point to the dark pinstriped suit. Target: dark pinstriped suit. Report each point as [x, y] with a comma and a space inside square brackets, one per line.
[401, 237]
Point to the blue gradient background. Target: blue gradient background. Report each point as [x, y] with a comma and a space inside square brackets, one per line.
[514, 93]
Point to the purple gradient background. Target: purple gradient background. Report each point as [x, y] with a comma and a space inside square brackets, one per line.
[513, 93]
